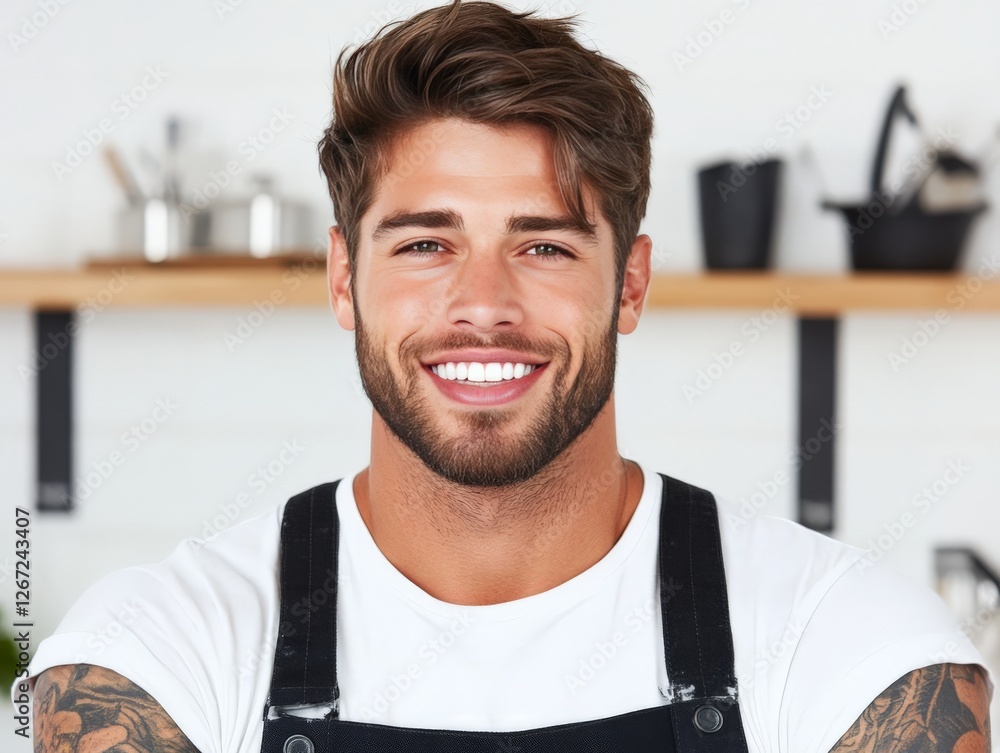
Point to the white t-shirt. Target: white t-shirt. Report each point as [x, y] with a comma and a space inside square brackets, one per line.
[817, 634]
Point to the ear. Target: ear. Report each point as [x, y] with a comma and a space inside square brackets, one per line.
[338, 275]
[635, 284]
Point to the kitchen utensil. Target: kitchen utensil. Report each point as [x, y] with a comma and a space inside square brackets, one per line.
[171, 178]
[123, 176]
[738, 204]
[154, 228]
[896, 230]
[262, 224]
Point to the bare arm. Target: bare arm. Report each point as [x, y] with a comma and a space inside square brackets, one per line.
[82, 708]
[943, 708]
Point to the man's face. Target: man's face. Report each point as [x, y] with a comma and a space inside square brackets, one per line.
[459, 262]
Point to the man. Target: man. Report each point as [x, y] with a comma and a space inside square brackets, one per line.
[499, 578]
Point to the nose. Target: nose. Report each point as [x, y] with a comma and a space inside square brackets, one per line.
[485, 292]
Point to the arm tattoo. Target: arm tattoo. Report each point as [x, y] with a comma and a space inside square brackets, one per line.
[943, 708]
[81, 708]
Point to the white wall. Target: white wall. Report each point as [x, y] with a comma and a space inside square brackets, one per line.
[295, 379]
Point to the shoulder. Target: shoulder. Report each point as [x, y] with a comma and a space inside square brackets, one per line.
[777, 568]
[199, 577]
[820, 630]
[190, 630]
[872, 628]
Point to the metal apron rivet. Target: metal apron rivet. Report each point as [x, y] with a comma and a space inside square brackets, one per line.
[298, 744]
[707, 718]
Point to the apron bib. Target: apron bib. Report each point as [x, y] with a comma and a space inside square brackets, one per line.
[697, 641]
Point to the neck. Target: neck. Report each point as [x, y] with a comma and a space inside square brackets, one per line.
[474, 545]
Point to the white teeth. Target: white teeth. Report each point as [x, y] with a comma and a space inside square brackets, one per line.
[477, 372]
[473, 371]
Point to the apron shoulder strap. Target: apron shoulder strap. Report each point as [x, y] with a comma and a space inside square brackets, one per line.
[305, 660]
[694, 607]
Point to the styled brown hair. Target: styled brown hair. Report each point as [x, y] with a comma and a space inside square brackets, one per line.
[483, 63]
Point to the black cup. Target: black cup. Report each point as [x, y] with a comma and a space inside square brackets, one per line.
[738, 203]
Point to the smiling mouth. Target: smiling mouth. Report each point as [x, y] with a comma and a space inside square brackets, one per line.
[483, 374]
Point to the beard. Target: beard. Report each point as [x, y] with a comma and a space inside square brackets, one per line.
[486, 453]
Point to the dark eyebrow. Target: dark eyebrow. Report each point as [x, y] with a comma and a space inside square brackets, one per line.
[433, 218]
[447, 218]
[536, 224]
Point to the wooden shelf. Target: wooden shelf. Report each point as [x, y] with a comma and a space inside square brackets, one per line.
[304, 284]
[826, 295]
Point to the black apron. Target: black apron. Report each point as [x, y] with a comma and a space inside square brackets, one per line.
[703, 717]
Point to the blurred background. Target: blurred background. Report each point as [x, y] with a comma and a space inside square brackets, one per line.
[183, 135]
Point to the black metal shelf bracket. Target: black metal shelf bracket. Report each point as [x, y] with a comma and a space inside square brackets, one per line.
[54, 337]
[817, 426]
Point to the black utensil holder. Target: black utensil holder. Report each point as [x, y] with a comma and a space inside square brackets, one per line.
[738, 204]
